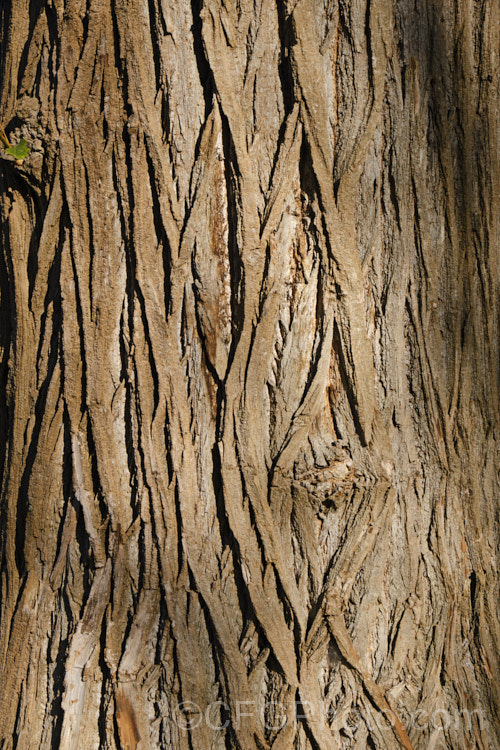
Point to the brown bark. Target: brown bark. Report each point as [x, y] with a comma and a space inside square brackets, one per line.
[249, 375]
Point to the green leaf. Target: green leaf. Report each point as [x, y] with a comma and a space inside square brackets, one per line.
[20, 151]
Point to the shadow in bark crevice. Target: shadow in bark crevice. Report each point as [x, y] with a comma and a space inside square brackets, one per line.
[204, 69]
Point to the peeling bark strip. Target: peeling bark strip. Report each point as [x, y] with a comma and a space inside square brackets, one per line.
[249, 368]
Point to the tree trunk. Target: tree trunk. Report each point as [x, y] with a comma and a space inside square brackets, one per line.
[249, 368]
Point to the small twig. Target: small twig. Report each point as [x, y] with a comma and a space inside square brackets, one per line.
[3, 138]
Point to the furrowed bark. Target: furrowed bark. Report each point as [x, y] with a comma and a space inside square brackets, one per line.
[249, 368]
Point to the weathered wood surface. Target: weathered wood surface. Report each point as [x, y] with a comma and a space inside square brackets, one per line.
[249, 368]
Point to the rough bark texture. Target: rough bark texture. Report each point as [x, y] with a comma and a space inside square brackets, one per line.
[249, 374]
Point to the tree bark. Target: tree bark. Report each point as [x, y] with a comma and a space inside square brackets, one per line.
[249, 371]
